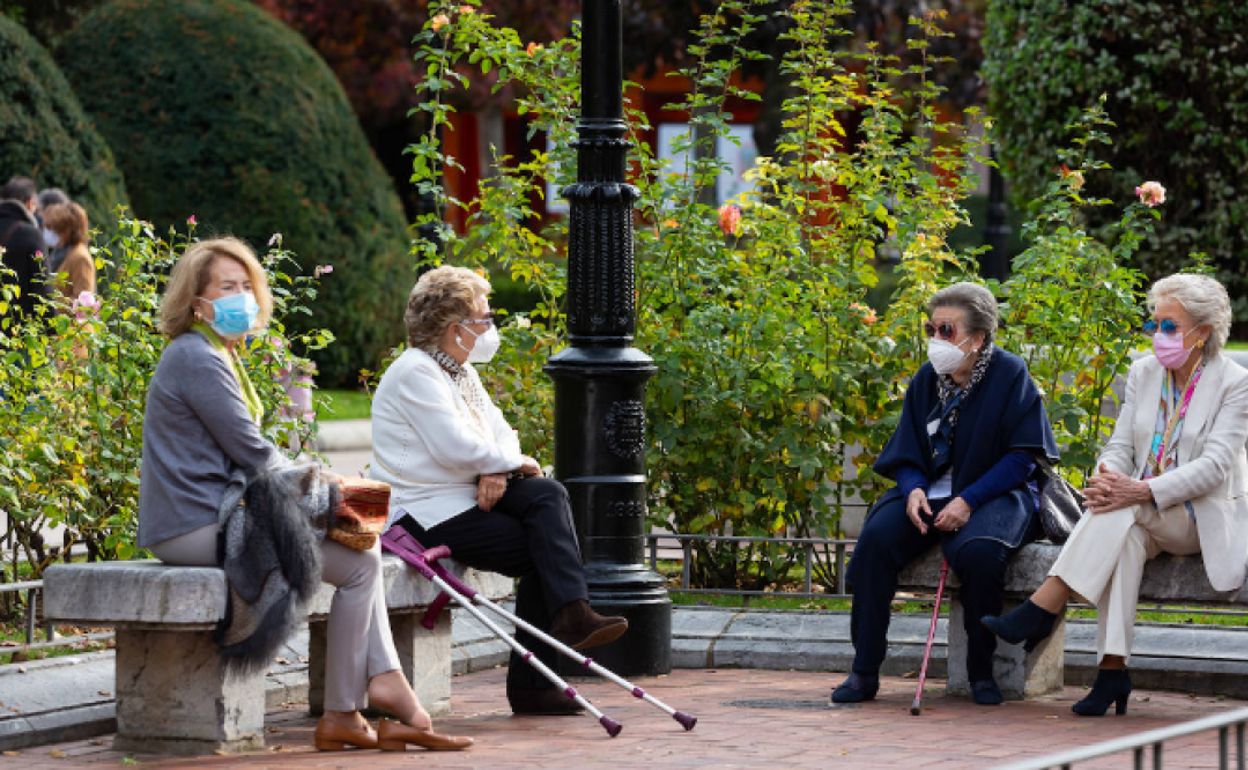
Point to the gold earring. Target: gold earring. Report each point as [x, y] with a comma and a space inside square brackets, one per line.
[1200, 343]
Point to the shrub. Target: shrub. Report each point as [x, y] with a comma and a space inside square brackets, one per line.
[219, 111]
[777, 385]
[44, 133]
[1176, 78]
[74, 387]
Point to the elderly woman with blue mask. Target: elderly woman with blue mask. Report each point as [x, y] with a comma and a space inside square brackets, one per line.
[963, 456]
[201, 428]
[1172, 479]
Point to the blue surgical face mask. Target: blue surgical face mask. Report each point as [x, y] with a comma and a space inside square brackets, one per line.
[233, 316]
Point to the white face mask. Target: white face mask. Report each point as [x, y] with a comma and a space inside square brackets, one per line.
[50, 238]
[946, 357]
[486, 346]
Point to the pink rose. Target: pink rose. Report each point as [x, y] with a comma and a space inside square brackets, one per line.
[85, 306]
[323, 270]
[729, 219]
[191, 220]
[1151, 194]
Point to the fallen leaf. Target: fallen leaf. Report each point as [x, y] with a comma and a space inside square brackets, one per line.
[58, 754]
[282, 660]
[96, 742]
[910, 675]
[22, 670]
[221, 752]
[1050, 716]
[12, 753]
[271, 730]
[10, 643]
[105, 693]
[303, 659]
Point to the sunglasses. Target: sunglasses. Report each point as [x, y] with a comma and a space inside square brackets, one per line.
[1165, 326]
[488, 321]
[947, 331]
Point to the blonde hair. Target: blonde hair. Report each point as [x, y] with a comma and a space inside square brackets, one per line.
[190, 278]
[1204, 299]
[443, 296]
[68, 221]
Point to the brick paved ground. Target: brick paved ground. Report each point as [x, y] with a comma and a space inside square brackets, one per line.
[748, 719]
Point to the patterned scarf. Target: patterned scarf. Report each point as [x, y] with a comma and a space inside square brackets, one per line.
[950, 408]
[469, 388]
[1171, 413]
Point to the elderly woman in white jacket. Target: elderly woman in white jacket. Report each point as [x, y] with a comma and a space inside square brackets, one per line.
[1173, 479]
[458, 477]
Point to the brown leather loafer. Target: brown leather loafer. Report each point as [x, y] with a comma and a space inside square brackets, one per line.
[331, 736]
[395, 736]
[579, 627]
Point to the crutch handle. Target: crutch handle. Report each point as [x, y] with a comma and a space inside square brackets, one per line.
[435, 553]
[430, 618]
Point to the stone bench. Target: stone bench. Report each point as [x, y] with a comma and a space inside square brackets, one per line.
[1167, 579]
[172, 693]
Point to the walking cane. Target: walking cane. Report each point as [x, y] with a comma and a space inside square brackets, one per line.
[916, 708]
[402, 544]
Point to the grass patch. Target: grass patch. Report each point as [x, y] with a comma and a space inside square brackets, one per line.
[343, 405]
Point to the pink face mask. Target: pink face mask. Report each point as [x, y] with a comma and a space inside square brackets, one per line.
[1169, 349]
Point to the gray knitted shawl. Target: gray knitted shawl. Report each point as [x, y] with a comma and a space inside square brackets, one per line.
[272, 526]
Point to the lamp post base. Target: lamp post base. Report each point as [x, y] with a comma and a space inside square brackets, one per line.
[637, 594]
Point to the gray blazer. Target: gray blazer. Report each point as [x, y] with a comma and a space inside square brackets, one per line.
[196, 433]
[1213, 465]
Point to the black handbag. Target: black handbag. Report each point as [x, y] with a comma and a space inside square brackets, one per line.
[1061, 505]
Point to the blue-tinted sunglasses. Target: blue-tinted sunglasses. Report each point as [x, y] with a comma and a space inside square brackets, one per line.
[1165, 326]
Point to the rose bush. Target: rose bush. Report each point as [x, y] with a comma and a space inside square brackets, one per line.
[777, 382]
[74, 384]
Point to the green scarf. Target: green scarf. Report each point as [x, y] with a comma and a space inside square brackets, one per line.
[250, 397]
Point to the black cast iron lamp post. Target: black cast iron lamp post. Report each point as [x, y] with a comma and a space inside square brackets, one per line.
[600, 378]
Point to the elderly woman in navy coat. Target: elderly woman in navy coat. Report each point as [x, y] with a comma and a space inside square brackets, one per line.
[963, 457]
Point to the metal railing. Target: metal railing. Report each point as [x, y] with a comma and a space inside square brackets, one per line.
[33, 589]
[841, 546]
[1138, 744]
[807, 544]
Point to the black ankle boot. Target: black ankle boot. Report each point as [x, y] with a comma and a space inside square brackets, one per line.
[1111, 686]
[1027, 623]
[856, 689]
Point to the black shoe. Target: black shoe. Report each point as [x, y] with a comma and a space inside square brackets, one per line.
[1111, 686]
[1027, 623]
[986, 693]
[856, 689]
[548, 701]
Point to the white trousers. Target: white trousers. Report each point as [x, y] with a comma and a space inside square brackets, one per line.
[1103, 562]
[358, 645]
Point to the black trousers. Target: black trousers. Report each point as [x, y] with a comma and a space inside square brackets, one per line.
[528, 534]
[889, 541]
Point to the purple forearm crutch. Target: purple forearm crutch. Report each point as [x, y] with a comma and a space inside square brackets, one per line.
[916, 708]
[424, 561]
[400, 542]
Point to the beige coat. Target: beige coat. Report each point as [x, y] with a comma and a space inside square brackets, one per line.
[1212, 470]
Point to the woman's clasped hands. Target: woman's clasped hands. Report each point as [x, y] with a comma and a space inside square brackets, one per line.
[1110, 490]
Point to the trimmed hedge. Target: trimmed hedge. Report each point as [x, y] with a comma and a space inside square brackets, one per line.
[1176, 78]
[46, 135]
[218, 110]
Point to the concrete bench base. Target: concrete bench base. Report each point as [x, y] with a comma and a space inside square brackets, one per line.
[1019, 674]
[174, 696]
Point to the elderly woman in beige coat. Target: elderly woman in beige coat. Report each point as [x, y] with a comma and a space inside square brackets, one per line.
[1173, 479]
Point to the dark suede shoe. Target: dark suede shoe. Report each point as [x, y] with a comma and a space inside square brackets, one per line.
[548, 702]
[1112, 686]
[1026, 623]
[856, 689]
[986, 693]
[579, 627]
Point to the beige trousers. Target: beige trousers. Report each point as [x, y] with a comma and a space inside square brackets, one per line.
[359, 645]
[1103, 561]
